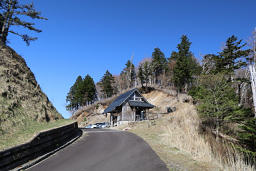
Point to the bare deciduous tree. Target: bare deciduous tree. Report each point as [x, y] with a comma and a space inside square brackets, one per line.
[252, 71]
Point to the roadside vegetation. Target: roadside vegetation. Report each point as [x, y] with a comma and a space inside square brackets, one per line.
[219, 129]
[178, 140]
[220, 85]
[222, 101]
[25, 132]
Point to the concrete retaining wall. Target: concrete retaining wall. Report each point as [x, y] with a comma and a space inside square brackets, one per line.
[43, 143]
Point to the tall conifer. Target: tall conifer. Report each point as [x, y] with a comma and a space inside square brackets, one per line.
[107, 84]
[182, 72]
[159, 64]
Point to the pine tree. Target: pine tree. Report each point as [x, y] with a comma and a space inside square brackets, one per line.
[128, 76]
[246, 133]
[83, 92]
[70, 99]
[174, 56]
[182, 73]
[141, 75]
[11, 14]
[232, 57]
[74, 97]
[123, 83]
[147, 72]
[159, 64]
[89, 91]
[79, 91]
[218, 101]
[107, 84]
[129, 70]
[247, 138]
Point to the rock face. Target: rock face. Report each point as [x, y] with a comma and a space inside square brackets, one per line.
[21, 98]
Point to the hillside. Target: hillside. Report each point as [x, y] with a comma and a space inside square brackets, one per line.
[92, 113]
[159, 97]
[21, 98]
[176, 137]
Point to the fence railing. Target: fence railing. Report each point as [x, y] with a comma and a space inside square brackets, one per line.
[43, 143]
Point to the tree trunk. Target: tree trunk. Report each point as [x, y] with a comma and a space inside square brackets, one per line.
[217, 130]
[186, 87]
[178, 92]
[217, 117]
[6, 23]
[253, 85]
[239, 94]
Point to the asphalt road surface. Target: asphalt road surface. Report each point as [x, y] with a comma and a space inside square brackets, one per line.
[104, 150]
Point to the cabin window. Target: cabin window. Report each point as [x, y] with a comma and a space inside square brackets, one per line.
[138, 98]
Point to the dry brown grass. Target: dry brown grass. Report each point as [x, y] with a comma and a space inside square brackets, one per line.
[175, 158]
[183, 133]
[176, 139]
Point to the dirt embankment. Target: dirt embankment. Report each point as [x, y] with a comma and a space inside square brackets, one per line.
[21, 98]
[93, 113]
[162, 100]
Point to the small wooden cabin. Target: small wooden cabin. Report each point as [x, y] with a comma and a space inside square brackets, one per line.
[129, 106]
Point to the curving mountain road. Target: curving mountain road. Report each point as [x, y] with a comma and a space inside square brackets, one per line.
[104, 150]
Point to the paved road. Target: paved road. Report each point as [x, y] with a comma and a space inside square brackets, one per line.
[104, 150]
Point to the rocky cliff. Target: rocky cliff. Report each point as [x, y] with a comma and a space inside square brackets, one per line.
[21, 98]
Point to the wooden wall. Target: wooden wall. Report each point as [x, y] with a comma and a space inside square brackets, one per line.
[127, 113]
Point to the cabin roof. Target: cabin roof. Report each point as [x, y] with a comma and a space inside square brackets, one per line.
[140, 104]
[122, 98]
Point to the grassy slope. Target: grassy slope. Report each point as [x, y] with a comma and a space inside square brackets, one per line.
[175, 138]
[24, 108]
[175, 158]
[28, 131]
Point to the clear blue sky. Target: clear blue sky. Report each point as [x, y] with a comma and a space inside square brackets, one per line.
[90, 36]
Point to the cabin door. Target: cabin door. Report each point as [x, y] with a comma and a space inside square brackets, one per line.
[113, 120]
[140, 115]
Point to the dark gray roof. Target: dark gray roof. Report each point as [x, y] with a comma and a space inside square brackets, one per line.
[140, 104]
[120, 100]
